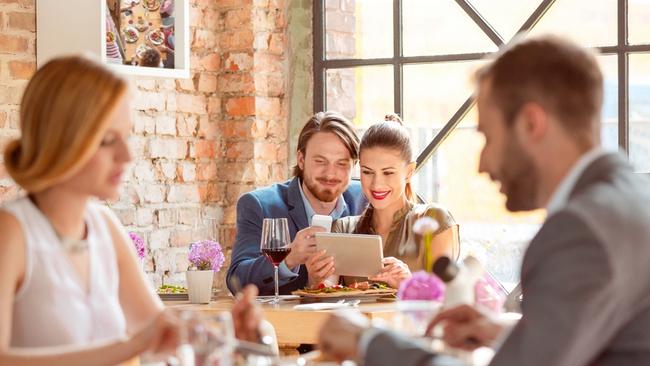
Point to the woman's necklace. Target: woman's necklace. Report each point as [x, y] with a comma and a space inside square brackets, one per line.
[70, 245]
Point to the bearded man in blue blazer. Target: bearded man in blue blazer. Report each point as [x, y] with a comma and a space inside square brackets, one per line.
[328, 149]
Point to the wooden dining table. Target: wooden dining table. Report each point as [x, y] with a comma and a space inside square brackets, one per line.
[296, 327]
[292, 327]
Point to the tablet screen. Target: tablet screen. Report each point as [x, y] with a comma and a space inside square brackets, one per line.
[354, 254]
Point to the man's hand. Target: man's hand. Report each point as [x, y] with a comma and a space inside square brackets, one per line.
[394, 272]
[303, 246]
[319, 267]
[339, 337]
[466, 327]
[247, 315]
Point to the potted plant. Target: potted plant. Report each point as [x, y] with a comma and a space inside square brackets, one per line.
[206, 257]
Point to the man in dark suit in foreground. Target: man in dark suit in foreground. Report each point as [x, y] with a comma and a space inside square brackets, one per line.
[586, 274]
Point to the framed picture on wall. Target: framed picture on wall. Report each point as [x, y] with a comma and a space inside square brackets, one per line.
[135, 37]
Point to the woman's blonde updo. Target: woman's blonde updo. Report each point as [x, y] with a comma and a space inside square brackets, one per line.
[63, 116]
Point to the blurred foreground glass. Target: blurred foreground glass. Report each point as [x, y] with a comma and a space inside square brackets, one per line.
[413, 316]
[206, 340]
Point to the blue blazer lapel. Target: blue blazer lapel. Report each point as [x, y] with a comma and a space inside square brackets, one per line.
[296, 205]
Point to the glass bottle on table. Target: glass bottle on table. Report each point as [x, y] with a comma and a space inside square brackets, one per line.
[275, 246]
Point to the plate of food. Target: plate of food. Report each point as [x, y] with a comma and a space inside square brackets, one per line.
[130, 34]
[156, 37]
[177, 293]
[151, 5]
[356, 290]
[172, 292]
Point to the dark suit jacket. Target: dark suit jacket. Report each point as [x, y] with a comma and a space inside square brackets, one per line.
[279, 200]
[585, 280]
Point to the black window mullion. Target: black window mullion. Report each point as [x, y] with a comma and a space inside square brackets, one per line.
[441, 136]
[535, 17]
[623, 79]
[397, 54]
[318, 19]
[481, 22]
[637, 48]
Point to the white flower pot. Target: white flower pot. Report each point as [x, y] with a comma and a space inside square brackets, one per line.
[199, 286]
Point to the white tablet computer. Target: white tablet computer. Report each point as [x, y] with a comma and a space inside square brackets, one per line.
[354, 254]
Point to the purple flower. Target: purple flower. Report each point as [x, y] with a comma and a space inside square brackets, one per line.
[139, 245]
[206, 255]
[422, 286]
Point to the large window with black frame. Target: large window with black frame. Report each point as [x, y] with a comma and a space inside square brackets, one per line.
[417, 57]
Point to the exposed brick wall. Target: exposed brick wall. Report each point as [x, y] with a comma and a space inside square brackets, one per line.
[17, 63]
[198, 143]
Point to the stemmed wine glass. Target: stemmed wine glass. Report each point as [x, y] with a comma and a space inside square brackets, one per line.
[275, 246]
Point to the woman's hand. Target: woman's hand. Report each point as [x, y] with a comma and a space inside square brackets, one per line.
[395, 271]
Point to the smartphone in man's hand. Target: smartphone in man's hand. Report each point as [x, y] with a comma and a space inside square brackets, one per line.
[323, 221]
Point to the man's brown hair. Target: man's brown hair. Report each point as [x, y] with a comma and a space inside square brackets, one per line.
[332, 122]
[561, 76]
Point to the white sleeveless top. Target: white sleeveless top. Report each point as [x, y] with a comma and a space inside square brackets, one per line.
[51, 307]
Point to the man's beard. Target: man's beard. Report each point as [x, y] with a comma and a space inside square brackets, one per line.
[323, 194]
[518, 178]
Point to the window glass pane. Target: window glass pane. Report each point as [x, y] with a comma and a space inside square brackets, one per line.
[590, 23]
[487, 229]
[434, 92]
[639, 18]
[358, 29]
[363, 94]
[640, 112]
[609, 131]
[440, 27]
[506, 16]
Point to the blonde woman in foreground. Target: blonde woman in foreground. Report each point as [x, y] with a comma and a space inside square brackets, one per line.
[71, 290]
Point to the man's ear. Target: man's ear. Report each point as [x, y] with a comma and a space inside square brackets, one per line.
[532, 122]
[300, 160]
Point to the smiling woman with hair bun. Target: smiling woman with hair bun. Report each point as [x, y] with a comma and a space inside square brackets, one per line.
[387, 165]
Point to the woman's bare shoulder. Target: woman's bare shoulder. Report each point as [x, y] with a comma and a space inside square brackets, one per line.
[12, 243]
[11, 231]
